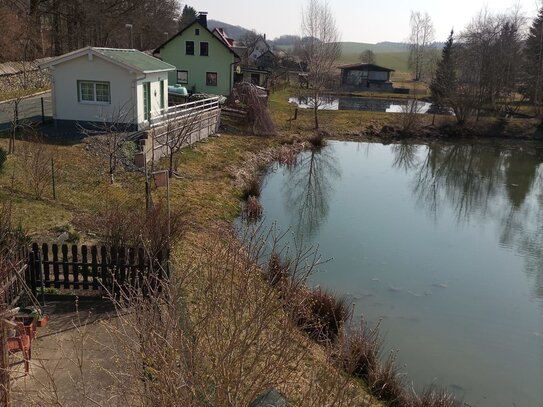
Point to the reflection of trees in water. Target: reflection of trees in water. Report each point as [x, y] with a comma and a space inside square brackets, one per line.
[309, 188]
[506, 183]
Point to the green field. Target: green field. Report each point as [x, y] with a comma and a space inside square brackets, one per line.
[391, 55]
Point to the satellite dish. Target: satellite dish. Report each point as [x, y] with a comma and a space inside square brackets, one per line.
[238, 69]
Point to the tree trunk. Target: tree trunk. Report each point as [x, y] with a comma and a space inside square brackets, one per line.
[316, 110]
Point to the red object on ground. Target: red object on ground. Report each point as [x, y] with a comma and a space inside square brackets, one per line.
[22, 342]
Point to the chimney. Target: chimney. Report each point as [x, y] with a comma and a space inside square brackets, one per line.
[202, 18]
[264, 36]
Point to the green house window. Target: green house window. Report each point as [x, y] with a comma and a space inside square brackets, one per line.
[189, 48]
[183, 77]
[211, 78]
[204, 49]
[93, 92]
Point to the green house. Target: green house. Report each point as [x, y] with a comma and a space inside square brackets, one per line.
[205, 64]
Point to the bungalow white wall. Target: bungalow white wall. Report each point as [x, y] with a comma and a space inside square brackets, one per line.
[126, 92]
[67, 105]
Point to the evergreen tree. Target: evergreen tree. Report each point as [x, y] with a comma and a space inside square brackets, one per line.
[188, 17]
[444, 81]
[533, 61]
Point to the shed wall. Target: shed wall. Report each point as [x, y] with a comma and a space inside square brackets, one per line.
[66, 104]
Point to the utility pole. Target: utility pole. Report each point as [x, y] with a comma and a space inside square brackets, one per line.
[131, 34]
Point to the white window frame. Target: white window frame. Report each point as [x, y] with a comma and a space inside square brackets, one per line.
[94, 101]
[177, 77]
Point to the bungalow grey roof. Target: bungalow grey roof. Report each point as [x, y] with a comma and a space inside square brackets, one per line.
[128, 58]
[137, 59]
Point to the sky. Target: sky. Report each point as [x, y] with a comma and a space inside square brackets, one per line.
[369, 21]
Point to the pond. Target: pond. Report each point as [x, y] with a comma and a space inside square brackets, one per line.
[443, 242]
[365, 104]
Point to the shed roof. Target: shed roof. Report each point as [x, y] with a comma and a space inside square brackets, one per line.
[365, 67]
[128, 58]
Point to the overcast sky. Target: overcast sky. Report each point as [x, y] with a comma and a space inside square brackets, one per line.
[359, 20]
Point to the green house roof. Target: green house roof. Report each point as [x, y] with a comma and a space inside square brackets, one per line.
[136, 59]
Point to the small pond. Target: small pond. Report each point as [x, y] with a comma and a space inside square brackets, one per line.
[365, 104]
[444, 243]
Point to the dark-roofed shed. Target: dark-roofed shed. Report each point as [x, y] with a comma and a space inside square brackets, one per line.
[366, 77]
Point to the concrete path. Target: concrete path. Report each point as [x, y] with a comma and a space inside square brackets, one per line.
[57, 361]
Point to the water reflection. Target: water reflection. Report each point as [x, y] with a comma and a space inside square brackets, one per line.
[364, 104]
[308, 189]
[483, 180]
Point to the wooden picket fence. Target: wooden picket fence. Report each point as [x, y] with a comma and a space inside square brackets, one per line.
[13, 270]
[93, 269]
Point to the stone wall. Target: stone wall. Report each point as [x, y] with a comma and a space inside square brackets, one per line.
[38, 78]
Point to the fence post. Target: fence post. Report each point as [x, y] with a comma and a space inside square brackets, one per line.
[32, 272]
[42, 112]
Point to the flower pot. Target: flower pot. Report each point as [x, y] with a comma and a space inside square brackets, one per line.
[42, 322]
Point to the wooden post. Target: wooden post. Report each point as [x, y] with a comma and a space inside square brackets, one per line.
[42, 112]
[75, 267]
[53, 178]
[4, 366]
[85, 267]
[56, 271]
[65, 266]
[94, 265]
[45, 256]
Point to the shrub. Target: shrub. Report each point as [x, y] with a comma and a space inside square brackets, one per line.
[277, 272]
[317, 139]
[360, 351]
[252, 188]
[323, 315]
[252, 208]
[385, 383]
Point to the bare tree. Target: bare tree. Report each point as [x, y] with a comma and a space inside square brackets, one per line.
[112, 131]
[368, 57]
[421, 39]
[175, 134]
[36, 164]
[320, 49]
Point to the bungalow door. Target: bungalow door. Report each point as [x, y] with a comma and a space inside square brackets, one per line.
[146, 100]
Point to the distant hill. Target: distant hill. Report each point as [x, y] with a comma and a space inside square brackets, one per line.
[234, 31]
[394, 55]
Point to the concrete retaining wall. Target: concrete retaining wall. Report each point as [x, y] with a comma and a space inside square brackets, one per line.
[153, 148]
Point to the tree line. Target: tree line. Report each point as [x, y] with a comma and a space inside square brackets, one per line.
[31, 29]
[492, 66]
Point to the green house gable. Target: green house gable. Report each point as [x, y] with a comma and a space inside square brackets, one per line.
[204, 63]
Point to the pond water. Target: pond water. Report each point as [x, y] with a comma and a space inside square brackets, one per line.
[365, 104]
[444, 243]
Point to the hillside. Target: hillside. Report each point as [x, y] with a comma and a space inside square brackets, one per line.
[234, 31]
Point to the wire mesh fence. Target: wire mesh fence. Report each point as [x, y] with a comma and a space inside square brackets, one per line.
[31, 110]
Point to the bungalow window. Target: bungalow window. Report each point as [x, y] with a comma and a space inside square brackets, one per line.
[94, 92]
[183, 77]
[189, 48]
[204, 49]
[197, 31]
[211, 78]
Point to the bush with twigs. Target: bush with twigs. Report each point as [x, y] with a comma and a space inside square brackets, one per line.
[253, 100]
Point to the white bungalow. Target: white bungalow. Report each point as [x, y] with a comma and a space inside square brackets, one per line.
[107, 85]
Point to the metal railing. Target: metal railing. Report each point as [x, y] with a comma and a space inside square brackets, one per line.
[185, 109]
